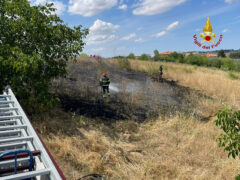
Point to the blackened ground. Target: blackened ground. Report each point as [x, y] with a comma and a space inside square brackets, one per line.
[134, 95]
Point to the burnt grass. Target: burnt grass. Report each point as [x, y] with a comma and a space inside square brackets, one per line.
[80, 93]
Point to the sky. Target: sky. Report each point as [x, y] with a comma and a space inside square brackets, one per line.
[120, 27]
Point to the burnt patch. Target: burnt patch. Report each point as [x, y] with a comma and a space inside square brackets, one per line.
[111, 109]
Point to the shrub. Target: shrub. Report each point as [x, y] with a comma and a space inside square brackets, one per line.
[229, 122]
[144, 57]
[228, 64]
[131, 56]
[124, 63]
[232, 75]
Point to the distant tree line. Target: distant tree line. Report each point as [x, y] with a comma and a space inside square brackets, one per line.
[220, 62]
[235, 55]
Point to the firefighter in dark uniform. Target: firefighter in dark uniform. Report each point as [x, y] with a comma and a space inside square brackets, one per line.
[160, 73]
[104, 82]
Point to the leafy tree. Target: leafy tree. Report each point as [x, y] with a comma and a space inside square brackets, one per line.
[131, 56]
[229, 121]
[35, 46]
[144, 57]
[221, 53]
[156, 55]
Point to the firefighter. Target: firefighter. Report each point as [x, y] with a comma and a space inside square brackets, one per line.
[160, 73]
[104, 82]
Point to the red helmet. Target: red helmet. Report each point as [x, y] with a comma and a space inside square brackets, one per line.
[104, 74]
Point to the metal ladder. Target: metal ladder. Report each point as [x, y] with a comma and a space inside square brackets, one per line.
[18, 134]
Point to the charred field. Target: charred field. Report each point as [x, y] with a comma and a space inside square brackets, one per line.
[134, 95]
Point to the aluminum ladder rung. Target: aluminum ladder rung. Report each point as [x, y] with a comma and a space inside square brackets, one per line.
[6, 102]
[29, 138]
[5, 113]
[12, 145]
[4, 96]
[10, 117]
[13, 127]
[9, 132]
[7, 122]
[8, 109]
[4, 105]
[30, 174]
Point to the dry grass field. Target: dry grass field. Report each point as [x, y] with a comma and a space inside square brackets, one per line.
[176, 146]
[213, 82]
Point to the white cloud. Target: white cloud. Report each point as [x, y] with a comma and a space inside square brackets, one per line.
[59, 6]
[130, 36]
[101, 32]
[97, 49]
[123, 7]
[169, 27]
[38, 2]
[197, 30]
[225, 30]
[231, 1]
[173, 25]
[162, 33]
[139, 29]
[139, 40]
[90, 7]
[151, 7]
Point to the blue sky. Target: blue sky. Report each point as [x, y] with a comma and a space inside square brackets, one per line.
[119, 27]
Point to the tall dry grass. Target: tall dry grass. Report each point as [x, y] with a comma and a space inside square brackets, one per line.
[213, 82]
[178, 148]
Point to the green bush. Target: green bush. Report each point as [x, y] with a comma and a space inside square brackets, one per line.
[228, 64]
[124, 63]
[131, 56]
[232, 75]
[229, 121]
[144, 57]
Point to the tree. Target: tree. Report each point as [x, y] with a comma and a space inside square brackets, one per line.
[156, 54]
[35, 46]
[144, 57]
[221, 53]
[131, 56]
[229, 121]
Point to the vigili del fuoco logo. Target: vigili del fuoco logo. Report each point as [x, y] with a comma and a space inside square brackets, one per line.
[208, 37]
